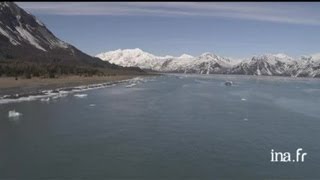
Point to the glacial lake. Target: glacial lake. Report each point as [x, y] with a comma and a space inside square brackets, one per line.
[174, 126]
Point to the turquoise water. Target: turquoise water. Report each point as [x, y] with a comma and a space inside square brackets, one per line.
[170, 127]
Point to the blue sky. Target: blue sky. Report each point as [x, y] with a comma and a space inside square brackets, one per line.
[229, 29]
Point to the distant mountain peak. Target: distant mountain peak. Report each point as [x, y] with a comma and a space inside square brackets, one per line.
[273, 58]
[316, 56]
[185, 56]
[207, 54]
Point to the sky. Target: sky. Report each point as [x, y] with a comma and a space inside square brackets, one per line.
[231, 29]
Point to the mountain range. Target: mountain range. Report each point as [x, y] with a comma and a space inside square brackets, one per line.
[24, 38]
[210, 63]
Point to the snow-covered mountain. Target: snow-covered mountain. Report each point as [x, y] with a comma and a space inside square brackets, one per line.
[23, 38]
[267, 64]
[22, 28]
[206, 63]
[132, 58]
[309, 66]
[209, 63]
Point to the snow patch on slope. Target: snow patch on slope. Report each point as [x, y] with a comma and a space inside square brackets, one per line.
[11, 39]
[29, 37]
[39, 22]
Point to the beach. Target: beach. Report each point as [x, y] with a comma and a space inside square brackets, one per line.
[10, 86]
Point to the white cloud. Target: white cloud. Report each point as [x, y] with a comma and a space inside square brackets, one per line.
[293, 13]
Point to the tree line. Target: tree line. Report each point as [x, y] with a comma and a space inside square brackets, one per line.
[52, 70]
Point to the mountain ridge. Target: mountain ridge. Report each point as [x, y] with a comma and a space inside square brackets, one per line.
[278, 64]
[26, 42]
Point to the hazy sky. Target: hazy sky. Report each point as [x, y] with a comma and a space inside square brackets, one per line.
[172, 28]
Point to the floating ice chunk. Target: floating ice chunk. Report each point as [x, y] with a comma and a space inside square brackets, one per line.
[92, 105]
[63, 94]
[81, 95]
[55, 97]
[131, 85]
[245, 119]
[45, 99]
[137, 79]
[60, 95]
[14, 114]
[54, 94]
[243, 99]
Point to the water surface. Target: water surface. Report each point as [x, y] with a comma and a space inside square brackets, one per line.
[172, 126]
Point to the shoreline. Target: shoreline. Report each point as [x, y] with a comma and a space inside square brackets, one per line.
[9, 86]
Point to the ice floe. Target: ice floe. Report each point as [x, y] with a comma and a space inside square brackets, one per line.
[63, 92]
[45, 99]
[54, 94]
[137, 80]
[14, 114]
[80, 95]
[131, 85]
